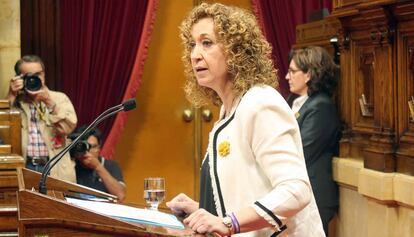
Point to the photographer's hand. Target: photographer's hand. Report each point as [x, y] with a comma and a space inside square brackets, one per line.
[44, 95]
[40, 95]
[112, 185]
[90, 161]
[16, 84]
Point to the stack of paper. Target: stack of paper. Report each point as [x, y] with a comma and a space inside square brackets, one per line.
[128, 213]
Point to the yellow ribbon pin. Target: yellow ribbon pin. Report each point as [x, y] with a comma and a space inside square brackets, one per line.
[224, 148]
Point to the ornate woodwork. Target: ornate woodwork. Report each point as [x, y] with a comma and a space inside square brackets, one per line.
[405, 90]
[10, 160]
[374, 29]
[376, 90]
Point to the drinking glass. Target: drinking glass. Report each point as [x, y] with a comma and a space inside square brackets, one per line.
[154, 192]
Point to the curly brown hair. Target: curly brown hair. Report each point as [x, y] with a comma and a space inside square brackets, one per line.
[323, 70]
[248, 53]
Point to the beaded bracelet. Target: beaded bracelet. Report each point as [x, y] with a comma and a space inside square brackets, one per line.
[235, 223]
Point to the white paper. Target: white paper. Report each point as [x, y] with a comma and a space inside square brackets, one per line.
[128, 213]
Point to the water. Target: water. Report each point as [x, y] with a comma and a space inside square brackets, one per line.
[154, 197]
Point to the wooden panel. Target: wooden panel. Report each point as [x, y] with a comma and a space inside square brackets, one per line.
[379, 155]
[4, 104]
[371, 79]
[8, 218]
[405, 118]
[11, 162]
[10, 125]
[316, 33]
[4, 149]
[351, 6]
[10, 130]
[345, 3]
[376, 42]
[363, 68]
[345, 100]
[360, 127]
[8, 198]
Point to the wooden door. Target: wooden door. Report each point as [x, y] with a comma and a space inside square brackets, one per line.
[156, 141]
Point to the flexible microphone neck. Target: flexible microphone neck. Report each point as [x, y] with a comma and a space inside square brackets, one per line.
[125, 106]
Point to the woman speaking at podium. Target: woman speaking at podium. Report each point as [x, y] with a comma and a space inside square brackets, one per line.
[253, 178]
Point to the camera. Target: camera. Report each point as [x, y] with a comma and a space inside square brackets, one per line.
[80, 148]
[32, 82]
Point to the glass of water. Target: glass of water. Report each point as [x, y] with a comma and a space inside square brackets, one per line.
[154, 192]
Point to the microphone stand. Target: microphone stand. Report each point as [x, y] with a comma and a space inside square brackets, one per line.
[128, 105]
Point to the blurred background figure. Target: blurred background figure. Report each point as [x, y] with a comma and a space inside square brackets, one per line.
[47, 117]
[92, 169]
[313, 76]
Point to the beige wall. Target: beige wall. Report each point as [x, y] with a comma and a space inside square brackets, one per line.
[9, 41]
[373, 203]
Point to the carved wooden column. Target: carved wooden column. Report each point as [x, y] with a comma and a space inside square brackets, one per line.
[379, 154]
[344, 102]
[405, 89]
[368, 67]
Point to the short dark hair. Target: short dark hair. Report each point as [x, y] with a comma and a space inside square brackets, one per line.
[94, 132]
[27, 59]
[324, 73]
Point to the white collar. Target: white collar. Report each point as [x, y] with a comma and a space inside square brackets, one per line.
[298, 102]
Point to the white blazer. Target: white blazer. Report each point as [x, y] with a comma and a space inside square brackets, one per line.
[255, 154]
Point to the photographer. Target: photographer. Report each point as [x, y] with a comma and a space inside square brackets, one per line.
[47, 117]
[93, 170]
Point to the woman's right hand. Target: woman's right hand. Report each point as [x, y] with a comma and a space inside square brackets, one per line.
[182, 204]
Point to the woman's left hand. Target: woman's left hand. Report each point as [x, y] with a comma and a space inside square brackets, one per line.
[203, 222]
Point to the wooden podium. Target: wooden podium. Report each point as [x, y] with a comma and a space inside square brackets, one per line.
[50, 215]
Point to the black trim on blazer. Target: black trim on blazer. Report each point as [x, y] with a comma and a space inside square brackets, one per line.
[223, 208]
[281, 227]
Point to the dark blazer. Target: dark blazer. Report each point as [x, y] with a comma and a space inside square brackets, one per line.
[320, 130]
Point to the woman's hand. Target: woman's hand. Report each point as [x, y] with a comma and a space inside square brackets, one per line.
[201, 221]
[182, 204]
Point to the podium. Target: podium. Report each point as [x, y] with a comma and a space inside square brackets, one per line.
[50, 215]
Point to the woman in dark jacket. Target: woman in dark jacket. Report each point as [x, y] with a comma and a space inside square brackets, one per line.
[312, 77]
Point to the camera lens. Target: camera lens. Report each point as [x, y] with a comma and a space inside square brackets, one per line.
[32, 82]
[80, 148]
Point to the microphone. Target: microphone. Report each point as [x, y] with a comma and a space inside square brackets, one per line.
[129, 104]
[125, 106]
